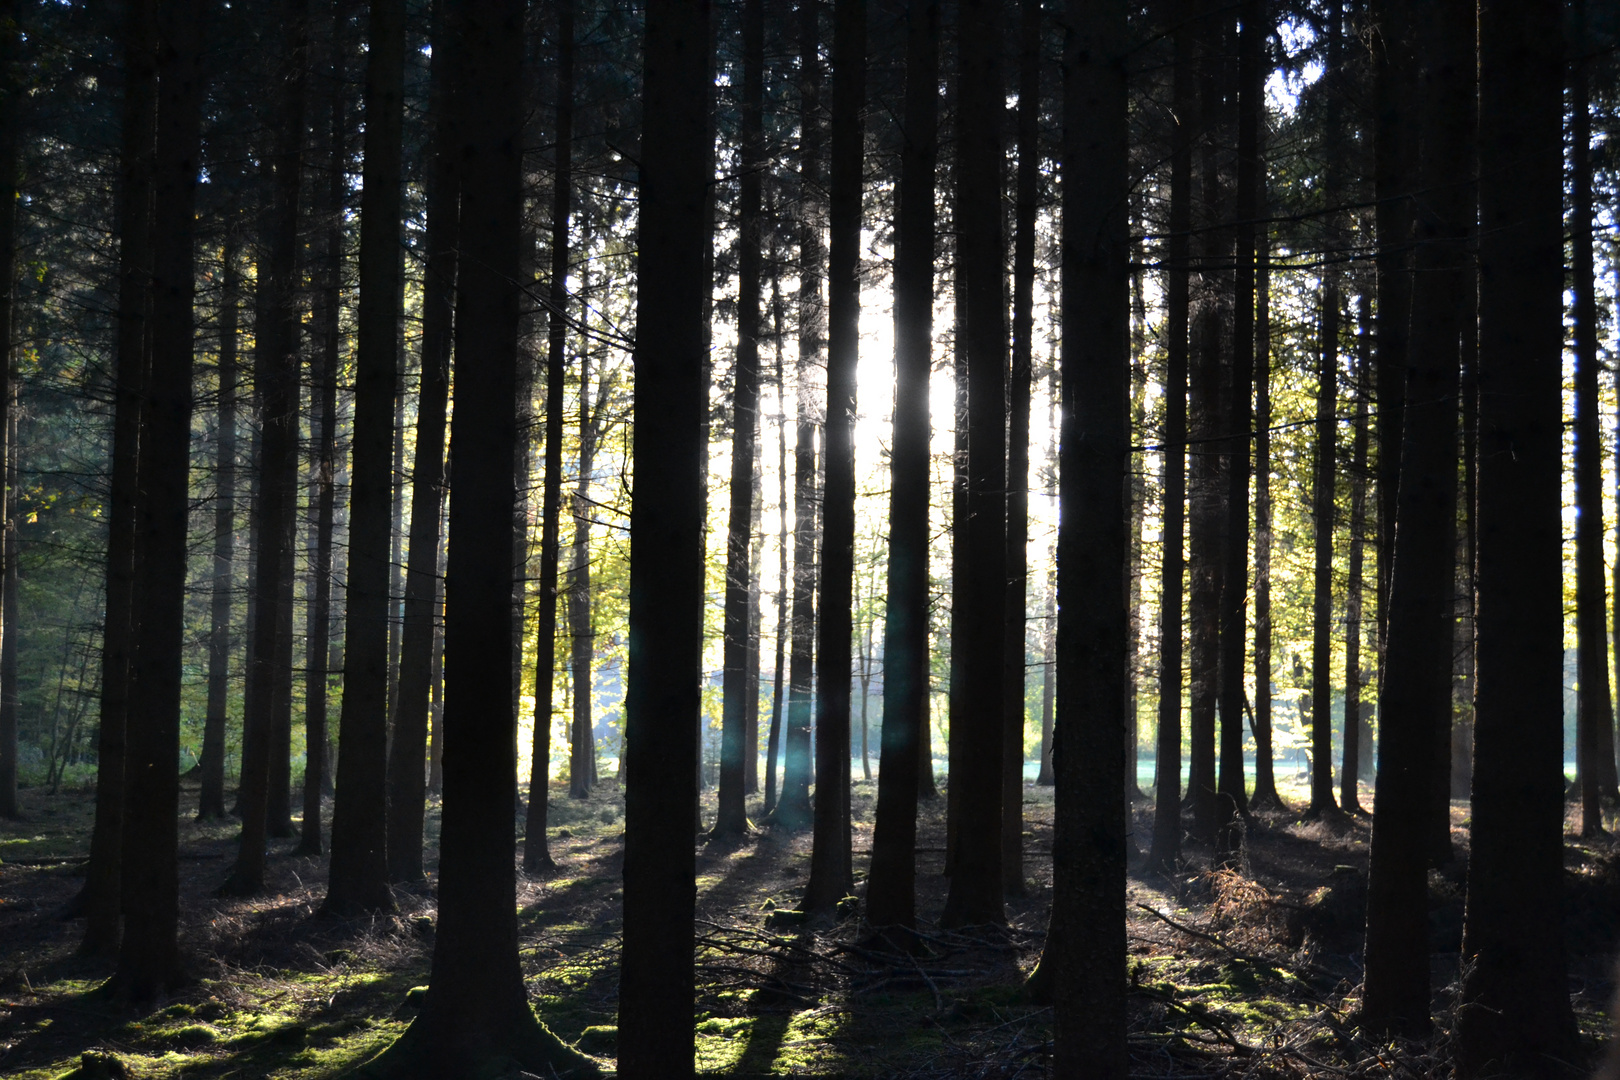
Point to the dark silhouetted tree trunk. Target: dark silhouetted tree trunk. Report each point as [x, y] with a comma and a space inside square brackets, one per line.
[359, 874]
[11, 104]
[581, 635]
[1088, 959]
[1165, 850]
[265, 782]
[793, 811]
[831, 872]
[211, 799]
[1514, 1015]
[732, 817]
[149, 961]
[536, 848]
[891, 887]
[783, 631]
[101, 901]
[1350, 773]
[1233, 695]
[1265, 777]
[408, 750]
[976, 731]
[666, 573]
[1017, 539]
[475, 1017]
[1595, 706]
[1416, 695]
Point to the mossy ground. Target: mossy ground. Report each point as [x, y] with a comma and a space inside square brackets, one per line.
[1250, 973]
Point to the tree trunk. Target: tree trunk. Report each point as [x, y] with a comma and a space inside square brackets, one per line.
[265, 775]
[359, 868]
[1165, 850]
[793, 811]
[831, 870]
[783, 626]
[581, 636]
[1089, 1020]
[1350, 773]
[476, 1016]
[1251, 75]
[11, 72]
[975, 895]
[666, 573]
[1325, 478]
[891, 887]
[1595, 706]
[1265, 778]
[1415, 696]
[1514, 1015]
[101, 897]
[732, 818]
[149, 963]
[211, 800]
[408, 749]
[1018, 401]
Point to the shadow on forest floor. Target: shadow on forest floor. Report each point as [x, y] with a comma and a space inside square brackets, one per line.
[1251, 974]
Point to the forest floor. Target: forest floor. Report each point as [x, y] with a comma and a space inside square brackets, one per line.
[1233, 974]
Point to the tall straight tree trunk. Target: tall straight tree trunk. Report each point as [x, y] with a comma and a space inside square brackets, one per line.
[11, 81]
[1416, 694]
[755, 592]
[359, 867]
[100, 898]
[1394, 163]
[211, 799]
[774, 736]
[831, 870]
[475, 1018]
[1514, 1015]
[581, 635]
[891, 887]
[1017, 539]
[408, 750]
[536, 849]
[732, 816]
[1350, 772]
[1232, 693]
[1325, 473]
[975, 895]
[1595, 705]
[1325, 478]
[1165, 850]
[666, 573]
[265, 781]
[1087, 951]
[149, 963]
[1265, 777]
[1045, 777]
[793, 811]
[319, 644]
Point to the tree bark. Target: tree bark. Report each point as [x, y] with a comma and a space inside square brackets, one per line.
[975, 895]
[11, 104]
[1350, 772]
[666, 585]
[1018, 403]
[891, 886]
[1514, 1013]
[1265, 778]
[581, 635]
[1595, 705]
[359, 868]
[831, 870]
[408, 749]
[211, 799]
[1165, 849]
[1415, 697]
[732, 818]
[1090, 987]
[149, 961]
[476, 1016]
[793, 811]
[101, 896]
